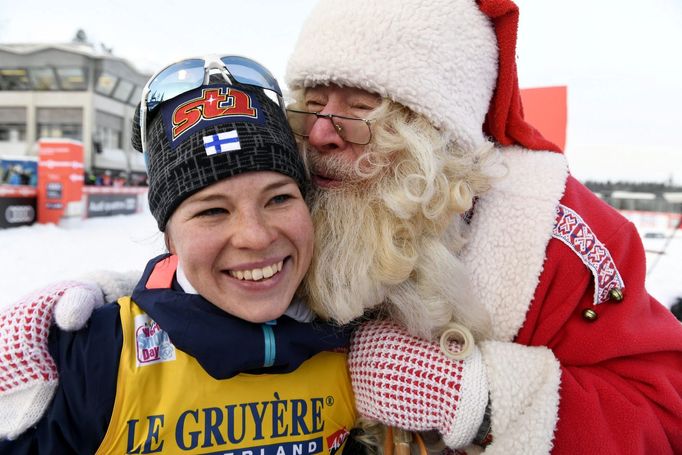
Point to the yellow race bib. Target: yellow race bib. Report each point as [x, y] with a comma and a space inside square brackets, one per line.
[167, 404]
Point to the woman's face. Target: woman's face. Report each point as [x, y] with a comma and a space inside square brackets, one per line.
[244, 243]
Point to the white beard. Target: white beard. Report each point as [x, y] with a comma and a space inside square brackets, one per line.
[366, 256]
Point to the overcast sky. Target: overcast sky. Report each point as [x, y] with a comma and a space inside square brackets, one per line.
[619, 58]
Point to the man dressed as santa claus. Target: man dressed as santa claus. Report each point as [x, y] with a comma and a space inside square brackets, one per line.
[436, 203]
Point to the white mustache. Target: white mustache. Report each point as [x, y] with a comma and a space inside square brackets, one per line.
[331, 166]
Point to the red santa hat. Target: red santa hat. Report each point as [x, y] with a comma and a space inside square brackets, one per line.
[450, 60]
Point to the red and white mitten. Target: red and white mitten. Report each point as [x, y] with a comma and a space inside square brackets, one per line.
[409, 383]
[28, 375]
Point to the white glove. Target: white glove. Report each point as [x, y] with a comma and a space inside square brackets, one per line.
[28, 375]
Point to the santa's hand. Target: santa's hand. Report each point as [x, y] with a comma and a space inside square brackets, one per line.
[409, 383]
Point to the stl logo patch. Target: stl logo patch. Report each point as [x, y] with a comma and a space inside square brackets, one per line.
[213, 104]
[152, 343]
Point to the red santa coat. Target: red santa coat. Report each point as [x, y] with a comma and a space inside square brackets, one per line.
[543, 250]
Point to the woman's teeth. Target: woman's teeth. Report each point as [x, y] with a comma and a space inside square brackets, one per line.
[257, 274]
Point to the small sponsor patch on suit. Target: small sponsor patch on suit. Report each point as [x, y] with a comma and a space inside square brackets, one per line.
[152, 343]
[336, 440]
[227, 141]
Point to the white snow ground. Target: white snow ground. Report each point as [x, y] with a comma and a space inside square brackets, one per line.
[36, 255]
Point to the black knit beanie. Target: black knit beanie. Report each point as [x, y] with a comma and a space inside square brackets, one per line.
[212, 133]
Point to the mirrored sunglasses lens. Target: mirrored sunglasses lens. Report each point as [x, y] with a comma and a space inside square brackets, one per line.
[247, 71]
[353, 130]
[174, 80]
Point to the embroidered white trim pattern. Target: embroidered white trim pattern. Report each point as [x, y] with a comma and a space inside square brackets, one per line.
[574, 232]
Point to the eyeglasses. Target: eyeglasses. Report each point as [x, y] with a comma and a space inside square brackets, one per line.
[351, 129]
[189, 74]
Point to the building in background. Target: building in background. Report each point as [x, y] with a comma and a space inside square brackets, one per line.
[71, 91]
[656, 208]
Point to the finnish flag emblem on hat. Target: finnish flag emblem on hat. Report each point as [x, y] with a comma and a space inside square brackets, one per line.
[227, 141]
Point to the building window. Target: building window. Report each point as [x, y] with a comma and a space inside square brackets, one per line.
[60, 122]
[123, 90]
[43, 78]
[108, 131]
[12, 124]
[60, 130]
[72, 78]
[12, 132]
[105, 83]
[14, 79]
[108, 138]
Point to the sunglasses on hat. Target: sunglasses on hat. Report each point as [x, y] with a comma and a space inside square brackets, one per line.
[186, 75]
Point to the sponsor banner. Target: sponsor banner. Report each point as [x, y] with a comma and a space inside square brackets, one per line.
[20, 170]
[60, 177]
[17, 191]
[115, 190]
[17, 211]
[108, 204]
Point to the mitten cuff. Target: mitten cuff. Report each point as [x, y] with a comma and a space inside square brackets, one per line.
[524, 394]
[469, 410]
[22, 409]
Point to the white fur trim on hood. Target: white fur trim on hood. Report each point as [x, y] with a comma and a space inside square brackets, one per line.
[439, 58]
[510, 230]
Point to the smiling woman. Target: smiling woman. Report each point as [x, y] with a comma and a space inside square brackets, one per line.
[212, 323]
